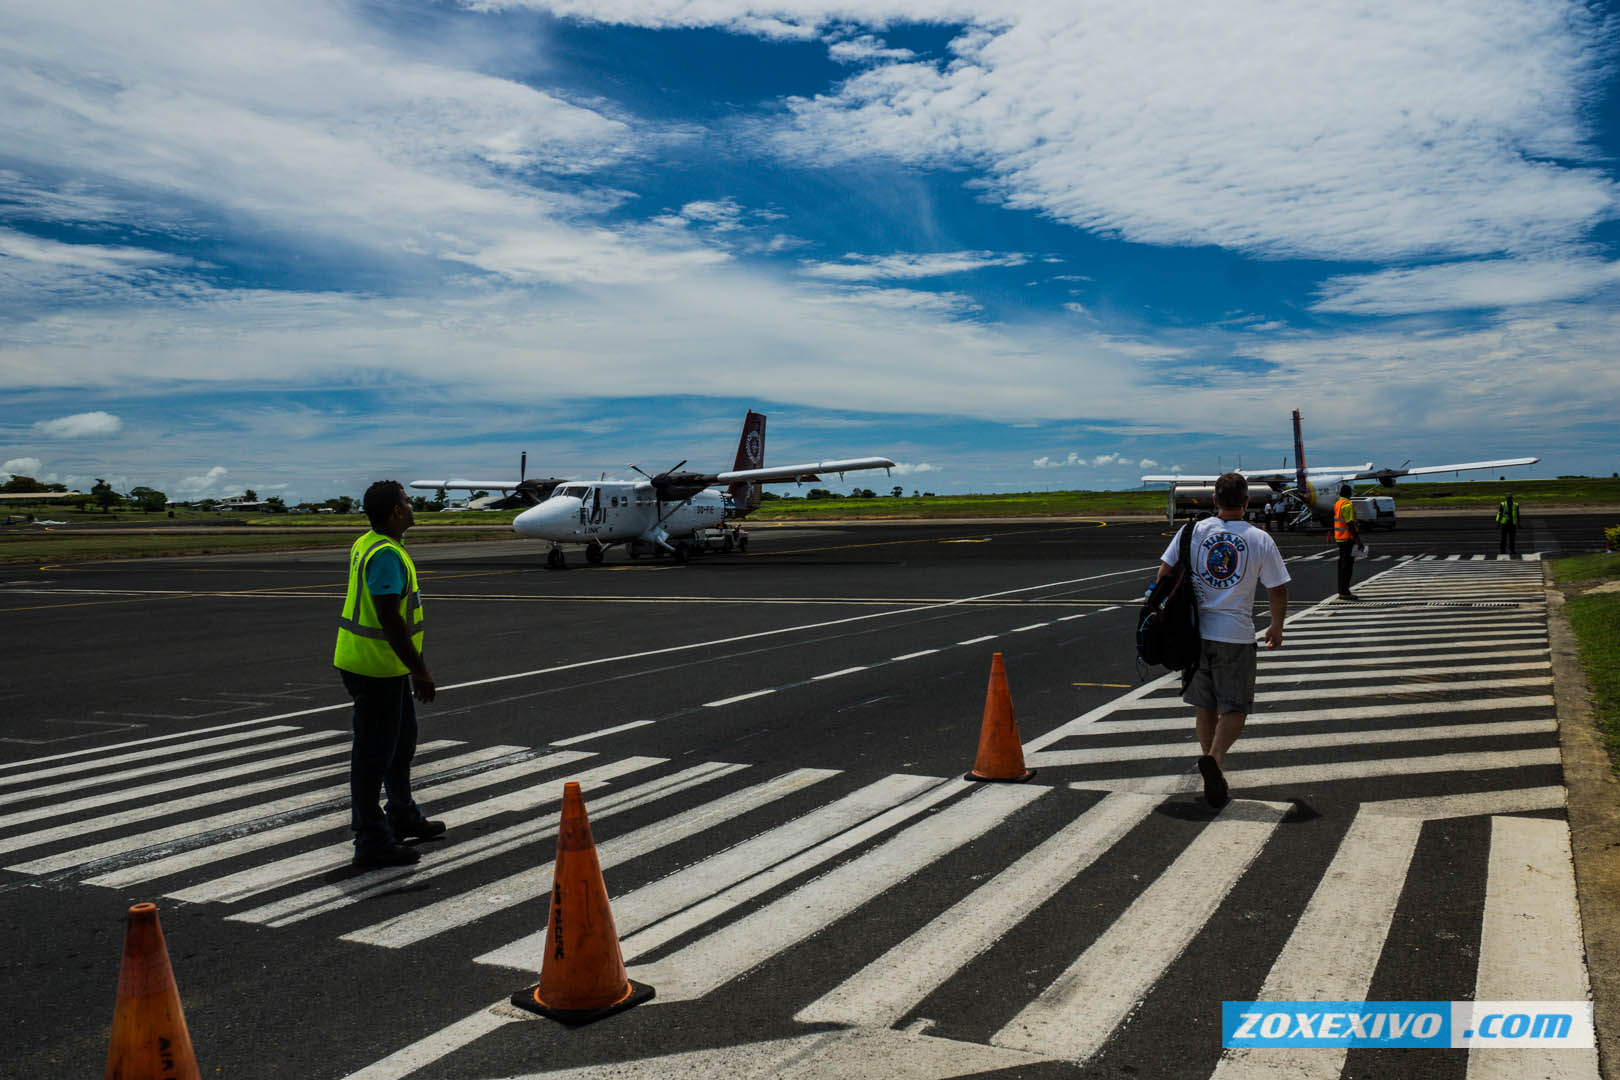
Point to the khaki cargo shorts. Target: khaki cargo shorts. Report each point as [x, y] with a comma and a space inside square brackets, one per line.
[1224, 678]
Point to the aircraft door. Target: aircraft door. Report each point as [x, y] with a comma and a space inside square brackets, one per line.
[590, 507]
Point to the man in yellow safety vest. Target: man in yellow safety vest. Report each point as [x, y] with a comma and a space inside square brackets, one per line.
[379, 655]
[1346, 535]
[1507, 524]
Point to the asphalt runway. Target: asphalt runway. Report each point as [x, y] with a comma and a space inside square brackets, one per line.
[174, 732]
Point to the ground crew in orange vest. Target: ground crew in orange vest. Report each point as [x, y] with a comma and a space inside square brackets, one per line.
[379, 656]
[1507, 523]
[1347, 537]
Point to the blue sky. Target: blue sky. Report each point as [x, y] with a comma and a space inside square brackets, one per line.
[1013, 245]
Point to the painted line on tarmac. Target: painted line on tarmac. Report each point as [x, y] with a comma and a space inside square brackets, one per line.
[1084, 1005]
[734, 700]
[599, 734]
[598, 661]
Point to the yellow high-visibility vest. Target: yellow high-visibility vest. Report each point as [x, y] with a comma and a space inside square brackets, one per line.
[1344, 516]
[1507, 513]
[361, 646]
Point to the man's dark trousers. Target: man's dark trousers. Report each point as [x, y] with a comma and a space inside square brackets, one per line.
[1347, 562]
[384, 744]
[1510, 539]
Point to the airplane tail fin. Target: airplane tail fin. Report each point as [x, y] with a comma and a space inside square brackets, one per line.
[1299, 454]
[750, 455]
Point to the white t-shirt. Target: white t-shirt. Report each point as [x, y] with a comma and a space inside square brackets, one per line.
[1228, 559]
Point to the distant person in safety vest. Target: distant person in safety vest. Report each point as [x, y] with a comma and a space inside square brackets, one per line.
[1507, 525]
[379, 655]
[1348, 537]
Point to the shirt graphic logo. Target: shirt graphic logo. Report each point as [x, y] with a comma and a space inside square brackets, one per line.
[1222, 560]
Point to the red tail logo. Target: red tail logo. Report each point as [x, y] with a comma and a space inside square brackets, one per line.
[750, 455]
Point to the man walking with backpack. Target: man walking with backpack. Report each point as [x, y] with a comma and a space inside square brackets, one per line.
[1228, 559]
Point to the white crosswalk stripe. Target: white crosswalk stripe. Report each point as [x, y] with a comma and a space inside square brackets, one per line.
[1449, 697]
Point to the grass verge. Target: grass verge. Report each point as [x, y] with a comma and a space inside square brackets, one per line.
[1594, 615]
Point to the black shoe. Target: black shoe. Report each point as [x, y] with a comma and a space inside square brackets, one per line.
[1348, 596]
[386, 855]
[420, 829]
[1215, 792]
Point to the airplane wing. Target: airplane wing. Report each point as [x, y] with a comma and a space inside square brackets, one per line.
[459, 484]
[1263, 476]
[1381, 474]
[794, 472]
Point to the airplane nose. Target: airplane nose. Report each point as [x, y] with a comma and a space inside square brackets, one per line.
[545, 519]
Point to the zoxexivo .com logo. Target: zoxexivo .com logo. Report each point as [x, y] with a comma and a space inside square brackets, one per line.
[1433, 1024]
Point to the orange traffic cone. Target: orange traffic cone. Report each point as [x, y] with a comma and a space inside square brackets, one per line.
[1001, 754]
[149, 1037]
[582, 976]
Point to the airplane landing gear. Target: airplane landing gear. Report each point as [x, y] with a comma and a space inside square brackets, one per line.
[554, 559]
[593, 553]
[683, 553]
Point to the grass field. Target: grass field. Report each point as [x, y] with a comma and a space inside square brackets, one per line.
[1484, 494]
[1595, 618]
[227, 532]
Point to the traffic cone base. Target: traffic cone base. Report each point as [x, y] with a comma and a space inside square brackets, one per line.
[530, 999]
[1029, 774]
[1001, 754]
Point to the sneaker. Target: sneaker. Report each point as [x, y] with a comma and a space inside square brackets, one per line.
[386, 855]
[1215, 792]
[420, 829]
[1348, 596]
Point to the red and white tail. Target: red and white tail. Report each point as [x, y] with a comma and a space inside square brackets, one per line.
[750, 455]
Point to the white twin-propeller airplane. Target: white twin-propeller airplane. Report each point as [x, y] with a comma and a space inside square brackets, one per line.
[1314, 491]
[672, 513]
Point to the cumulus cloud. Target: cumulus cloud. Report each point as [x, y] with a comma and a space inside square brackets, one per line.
[1480, 284]
[906, 468]
[889, 267]
[80, 425]
[22, 466]
[204, 483]
[1097, 461]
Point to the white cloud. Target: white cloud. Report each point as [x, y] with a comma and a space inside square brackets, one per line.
[204, 484]
[1342, 130]
[905, 468]
[1482, 284]
[80, 425]
[944, 303]
[865, 49]
[1099, 461]
[300, 120]
[81, 257]
[881, 267]
[22, 466]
